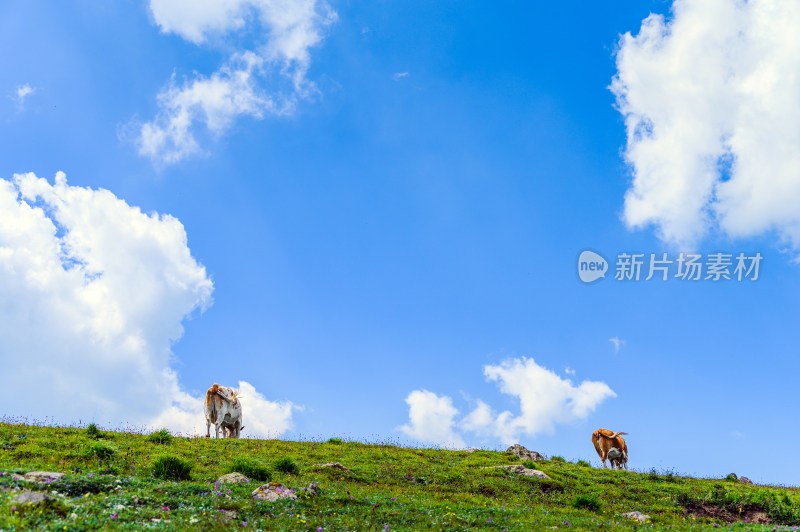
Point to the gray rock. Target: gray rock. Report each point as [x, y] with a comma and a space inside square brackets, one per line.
[233, 478]
[524, 454]
[43, 476]
[334, 465]
[522, 470]
[31, 497]
[745, 480]
[636, 516]
[272, 492]
[311, 490]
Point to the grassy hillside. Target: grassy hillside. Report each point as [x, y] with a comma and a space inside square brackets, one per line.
[112, 483]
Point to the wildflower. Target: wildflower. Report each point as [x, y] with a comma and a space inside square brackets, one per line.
[386, 527]
[13, 508]
[113, 516]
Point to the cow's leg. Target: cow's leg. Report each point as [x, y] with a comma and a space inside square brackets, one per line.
[216, 431]
[208, 429]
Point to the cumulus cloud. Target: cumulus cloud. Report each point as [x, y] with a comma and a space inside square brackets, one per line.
[93, 293]
[545, 400]
[286, 29]
[431, 419]
[711, 101]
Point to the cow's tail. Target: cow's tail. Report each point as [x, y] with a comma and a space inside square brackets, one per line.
[210, 402]
[613, 435]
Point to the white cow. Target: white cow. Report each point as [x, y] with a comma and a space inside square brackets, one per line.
[618, 458]
[224, 411]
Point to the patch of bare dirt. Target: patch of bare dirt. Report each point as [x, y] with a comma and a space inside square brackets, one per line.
[749, 513]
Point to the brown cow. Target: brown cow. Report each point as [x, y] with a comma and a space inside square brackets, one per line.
[604, 441]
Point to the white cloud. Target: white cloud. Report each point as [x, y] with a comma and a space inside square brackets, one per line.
[569, 371]
[618, 343]
[399, 75]
[288, 29]
[23, 91]
[431, 419]
[545, 400]
[215, 101]
[711, 100]
[92, 295]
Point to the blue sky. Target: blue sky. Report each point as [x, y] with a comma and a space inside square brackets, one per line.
[396, 202]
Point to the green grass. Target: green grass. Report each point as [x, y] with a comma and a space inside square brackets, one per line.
[399, 487]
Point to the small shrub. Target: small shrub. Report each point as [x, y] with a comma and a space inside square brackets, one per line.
[583, 463]
[103, 451]
[550, 486]
[160, 437]
[587, 502]
[250, 468]
[171, 468]
[286, 465]
[732, 478]
[530, 464]
[558, 459]
[93, 432]
[335, 441]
